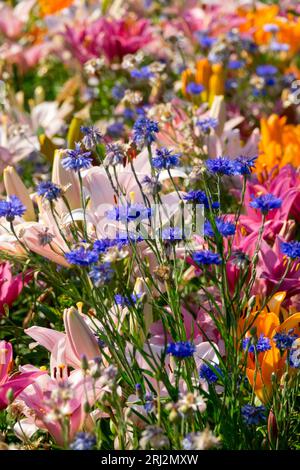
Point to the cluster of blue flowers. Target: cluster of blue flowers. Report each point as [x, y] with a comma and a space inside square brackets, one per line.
[225, 166]
[181, 350]
[261, 345]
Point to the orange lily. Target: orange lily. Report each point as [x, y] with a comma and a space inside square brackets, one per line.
[279, 144]
[210, 76]
[48, 8]
[256, 19]
[270, 320]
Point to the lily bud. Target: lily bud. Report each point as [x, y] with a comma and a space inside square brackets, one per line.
[74, 133]
[80, 338]
[272, 427]
[15, 186]
[186, 77]
[218, 111]
[68, 179]
[203, 73]
[47, 147]
[216, 82]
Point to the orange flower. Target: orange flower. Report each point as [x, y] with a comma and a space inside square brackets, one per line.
[279, 144]
[270, 320]
[288, 28]
[210, 76]
[48, 7]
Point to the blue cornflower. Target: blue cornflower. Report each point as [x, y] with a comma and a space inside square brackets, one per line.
[187, 442]
[181, 349]
[125, 238]
[225, 228]
[91, 136]
[144, 73]
[205, 41]
[101, 274]
[115, 154]
[126, 301]
[165, 159]
[149, 403]
[82, 256]
[173, 234]
[83, 441]
[208, 373]
[144, 131]
[266, 70]
[284, 340]
[266, 202]
[76, 159]
[220, 166]
[118, 92]
[294, 357]
[116, 129]
[258, 92]
[207, 124]
[199, 197]
[278, 46]
[129, 113]
[263, 344]
[235, 64]
[49, 190]
[243, 165]
[129, 213]
[291, 249]
[194, 88]
[271, 28]
[270, 81]
[254, 415]
[207, 257]
[231, 84]
[100, 246]
[12, 208]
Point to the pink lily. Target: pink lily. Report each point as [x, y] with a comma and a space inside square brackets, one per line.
[12, 20]
[58, 404]
[16, 382]
[67, 348]
[10, 286]
[114, 38]
[285, 186]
